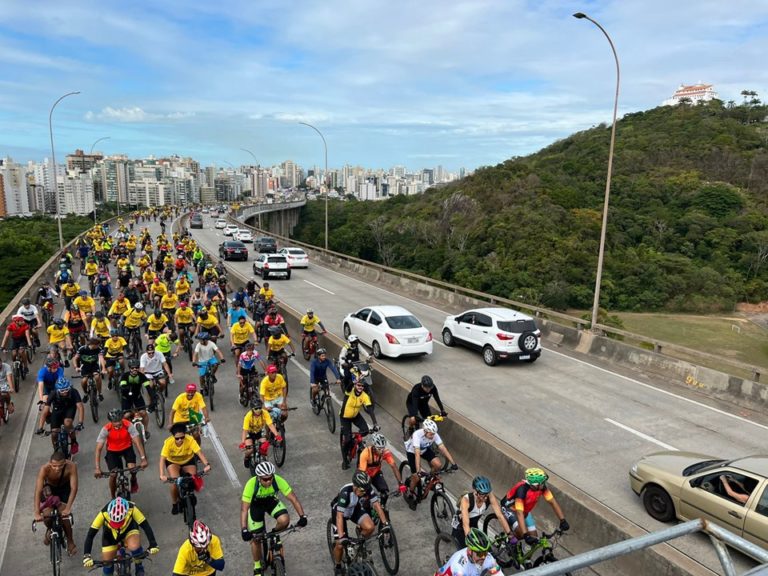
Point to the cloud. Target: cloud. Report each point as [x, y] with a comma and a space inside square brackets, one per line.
[133, 114]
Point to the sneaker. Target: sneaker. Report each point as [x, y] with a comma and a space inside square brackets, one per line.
[134, 485]
[345, 464]
[75, 448]
[85, 399]
[338, 570]
[101, 397]
[175, 509]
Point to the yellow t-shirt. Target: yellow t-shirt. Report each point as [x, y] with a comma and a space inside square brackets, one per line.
[271, 390]
[309, 323]
[144, 261]
[354, 404]
[121, 262]
[131, 245]
[268, 293]
[241, 334]
[209, 322]
[101, 328]
[120, 306]
[169, 302]
[56, 335]
[115, 346]
[182, 286]
[134, 318]
[159, 289]
[277, 344]
[156, 323]
[255, 424]
[86, 305]
[70, 290]
[148, 275]
[182, 406]
[91, 268]
[179, 453]
[188, 564]
[184, 316]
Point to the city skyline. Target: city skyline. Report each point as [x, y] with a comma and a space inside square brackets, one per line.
[453, 84]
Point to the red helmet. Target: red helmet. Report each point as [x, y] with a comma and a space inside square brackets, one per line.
[191, 387]
[183, 305]
[271, 369]
[156, 280]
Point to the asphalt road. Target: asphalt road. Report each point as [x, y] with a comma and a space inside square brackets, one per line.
[312, 467]
[585, 422]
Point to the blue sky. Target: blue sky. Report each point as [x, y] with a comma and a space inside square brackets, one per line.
[451, 82]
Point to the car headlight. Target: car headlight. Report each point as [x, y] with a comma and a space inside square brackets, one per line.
[633, 470]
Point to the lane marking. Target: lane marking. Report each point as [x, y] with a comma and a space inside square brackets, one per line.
[320, 287]
[228, 467]
[641, 435]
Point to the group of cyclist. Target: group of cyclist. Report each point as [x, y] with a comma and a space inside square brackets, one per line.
[97, 342]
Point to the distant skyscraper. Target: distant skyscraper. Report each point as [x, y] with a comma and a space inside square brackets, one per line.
[13, 188]
[82, 162]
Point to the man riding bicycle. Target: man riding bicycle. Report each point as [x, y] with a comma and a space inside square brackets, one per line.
[62, 406]
[180, 454]
[472, 507]
[56, 487]
[349, 355]
[31, 314]
[418, 448]
[189, 409]
[154, 366]
[274, 393]
[474, 560]
[276, 346]
[89, 360]
[114, 354]
[355, 399]
[201, 554]
[519, 502]
[255, 424]
[417, 402]
[18, 332]
[370, 462]
[318, 372]
[204, 357]
[246, 368]
[132, 386]
[120, 438]
[308, 323]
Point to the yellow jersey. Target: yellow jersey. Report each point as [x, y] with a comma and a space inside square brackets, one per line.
[120, 307]
[255, 424]
[277, 344]
[208, 322]
[268, 293]
[101, 327]
[309, 323]
[134, 318]
[182, 405]
[179, 454]
[352, 404]
[70, 290]
[115, 346]
[270, 390]
[158, 289]
[91, 268]
[86, 305]
[241, 333]
[155, 322]
[182, 286]
[188, 562]
[57, 335]
[148, 276]
[169, 302]
[184, 316]
[122, 262]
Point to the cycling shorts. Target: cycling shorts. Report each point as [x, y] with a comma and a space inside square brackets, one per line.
[426, 456]
[88, 369]
[111, 543]
[260, 507]
[134, 401]
[120, 459]
[58, 416]
[17, 343]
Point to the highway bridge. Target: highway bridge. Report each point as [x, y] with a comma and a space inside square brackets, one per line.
[585, 422]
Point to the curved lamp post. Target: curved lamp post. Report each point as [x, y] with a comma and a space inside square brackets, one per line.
[325, 177]
[90, 153]
[53, 160]
[601, 253]
[257, 175]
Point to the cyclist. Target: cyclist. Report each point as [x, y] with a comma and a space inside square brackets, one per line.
[241, 297]
[182, 288]
[260, 497]
[354, 502]
[56, 487]
[272, 320]
[132, 384]
[121, 438]
[189, 408]
[76, 325]
[259, 312]
[45, 296]
[308, 323]
[318, 369]
[156, 322]
[236, 311]
[18, 331]
[419, 447]
[90, 360]
[255, 423]
[180, 454]
[134, 318]
[355, 399]
[370, 463]
[114, 348]
[169, 304]
[417, 401]
[474, 560]
[31, 314]
[157, 291]
[201, 554]
[101, 327]
[103, 290]
[276, 346]
[58, 334]
[246, 367]
[86, 305]
[204, 357]
[119, 307]
[519, 502]
[207, 322]
[154, 366]
[267, 292]
[62, 406]
[47, 377]
[240, 334]
[349, 354]
[274, 393]
[6, 386]
[472, 506]
[165, 343]
[120, 520]
[185, 320]
[70, 290]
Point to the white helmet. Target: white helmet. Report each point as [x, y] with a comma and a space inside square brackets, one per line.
[264, 469]
[429, 426]
[352, 339]
[139, 306]
[200, 535]
[310, 311]
[378, 440]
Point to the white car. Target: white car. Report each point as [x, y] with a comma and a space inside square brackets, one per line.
[499, 333]
[296, 257]
[221, 224]
[268, 265]
[389, 331]
[243, 235]
[230, 229]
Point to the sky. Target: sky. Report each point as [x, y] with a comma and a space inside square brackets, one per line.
[457, 83]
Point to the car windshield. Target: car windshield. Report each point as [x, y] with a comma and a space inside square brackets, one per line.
[235, 245]
[402, 322]
[296, 252]
[517, 326]
[277, 259]
[704, 465]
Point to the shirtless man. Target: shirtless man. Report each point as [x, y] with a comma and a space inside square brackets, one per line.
[56, 485]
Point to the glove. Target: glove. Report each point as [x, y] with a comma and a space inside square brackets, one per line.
[454, 467]
[564, 526]
[87, 561]
[531, 540]
[204, 556]
[278, 439]
[79, 427]
[302, 522]
[246, 535]
[402, 489]
[154, 550]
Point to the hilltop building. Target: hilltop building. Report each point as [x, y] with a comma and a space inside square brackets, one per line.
[693, 93]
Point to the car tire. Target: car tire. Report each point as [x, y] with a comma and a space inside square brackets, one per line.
[264, 274]
[528, 342]
[448, 338]
[288, 276]
[489, 356]
[347, 331]
[658, 503]
[254, 269]
[376, 350]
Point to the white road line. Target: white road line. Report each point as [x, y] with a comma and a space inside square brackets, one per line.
[228, 468]
[320, 287]
[12, 496]
[640, 434]
[661, 391]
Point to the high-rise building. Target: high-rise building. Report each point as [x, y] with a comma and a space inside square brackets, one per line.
[115, 174]
[82, 162]
[75, 191]
[14, 188]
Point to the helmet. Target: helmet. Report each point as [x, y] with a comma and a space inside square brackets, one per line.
[83, 293]
[63, 385]
[191, 387]
[133, 363]
[25, 302]
[265, 468]
[117, 510]
[256, 403]
[74, 307]
[139, 306]
[379, 442]
[321, 351]
[353, 339]
[536, 476]
[114, 332]
[156, 280]
[429, 426]
[271, 369]
[203, 336]
[478, 541]
[58, 322]
[183, 305]
[275, 330]
[99, 314]
[200, 535]
[248, 345]
[481, 484]
[360, 479]
[52, 363]
[310, 311]
[427, 382]
[115, 415]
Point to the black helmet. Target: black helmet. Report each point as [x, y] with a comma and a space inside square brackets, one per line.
[256, 403]
[58, 322]
[133, 363]
[25, 302]
[115, 415]
[427, 382]
[360, 479]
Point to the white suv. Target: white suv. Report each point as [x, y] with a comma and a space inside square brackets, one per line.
[230, 229]
[500, 333]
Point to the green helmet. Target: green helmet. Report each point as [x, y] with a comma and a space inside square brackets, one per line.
[477, 541]
[535, 476]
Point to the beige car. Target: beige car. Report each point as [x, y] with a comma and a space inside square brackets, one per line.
[688, 485]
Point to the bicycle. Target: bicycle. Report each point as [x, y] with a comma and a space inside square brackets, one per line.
[440, 506]
[47, 313]
[390, 552]
[250, 387]
[358, 443]
[122, 483]
[122, 564]
[134, 342]
[208, 384]
[58, 539]
[63, 441]
[157, 405]
[408, 430]
[5, 407]
[324, 403]
[272, 553]
[92, 393]
[187, 497]
[309, 346]
[135, 418]
[516, 553]
[356, 549]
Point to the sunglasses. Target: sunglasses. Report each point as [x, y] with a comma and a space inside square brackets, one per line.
[179, 438]
[266, 479]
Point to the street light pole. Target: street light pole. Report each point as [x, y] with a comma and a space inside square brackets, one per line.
[601, 253]
[53, 160]
[325, 177]
[256, 178]
[90, 153]
[97, 141]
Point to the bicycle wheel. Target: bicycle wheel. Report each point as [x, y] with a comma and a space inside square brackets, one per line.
[93, 401]
[501, 553]
[390, 553]
[211, 388]
[278, 568]
[16, 376]
[189, 512]
[316, 406]
[159, 410]
[406, 428]
[442, 510]
[445, 546]
[278, 450]
[306, 350]
[547, 557]
[55, 554]
[5, 412]
[329, 535]
[330, 415]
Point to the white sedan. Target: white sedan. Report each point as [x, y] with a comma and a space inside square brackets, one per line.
[243, 235]
[221, 224]
[389, 331]
[296, 257]
[230, 229]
